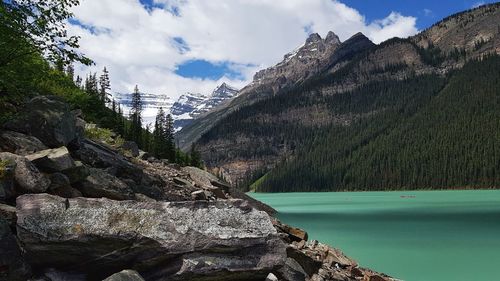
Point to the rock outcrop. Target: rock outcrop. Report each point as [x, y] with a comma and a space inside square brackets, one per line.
[182, 240]
[47, 118]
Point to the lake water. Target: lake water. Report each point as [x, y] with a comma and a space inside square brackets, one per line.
[414, 236]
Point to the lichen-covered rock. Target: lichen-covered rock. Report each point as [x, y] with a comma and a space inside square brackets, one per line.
[125, 275]
[222, 240]
[101, 184]
[52, 160]
[19, 143]
[47, 118]
[28, 178]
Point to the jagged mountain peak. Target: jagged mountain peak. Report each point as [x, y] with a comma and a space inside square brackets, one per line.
[313, 37]
[332, 38]
[192, 105]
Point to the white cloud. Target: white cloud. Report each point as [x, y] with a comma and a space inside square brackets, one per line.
[137, 45]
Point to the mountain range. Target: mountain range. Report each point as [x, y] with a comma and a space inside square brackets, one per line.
[187, 107]
[190, 105]
[341, 115]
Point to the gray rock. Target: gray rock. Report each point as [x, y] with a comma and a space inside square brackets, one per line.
[192, 240]
[47, 118]
[199, 195]
[131, 147]
[8, 213]
[60, 186]
[19, 143]
[52, 160]
[12, 265]
[271, 277]
[310, 265]
[143, 155]
[204, 180]
[28, 178]
[7, 171]
[292, 271]
[77, 173]
[125, 275]
[101, 184]
[101, 156]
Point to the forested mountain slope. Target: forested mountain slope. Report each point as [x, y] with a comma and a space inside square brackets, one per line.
[247, 139]
[429, 136]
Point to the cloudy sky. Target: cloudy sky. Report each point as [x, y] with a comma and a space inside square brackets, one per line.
[177, 46]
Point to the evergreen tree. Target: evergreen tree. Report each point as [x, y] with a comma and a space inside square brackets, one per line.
[135, 132]
[105, 86]
[78, 81]
[70, 71]
[169, 137]
[159, 146]
[195, 157]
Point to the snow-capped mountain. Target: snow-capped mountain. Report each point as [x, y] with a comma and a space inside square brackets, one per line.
[190, 106]
[150, 104]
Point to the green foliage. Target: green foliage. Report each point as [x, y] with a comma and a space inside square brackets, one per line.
[427, 136]
[37, 27]
[103, 135]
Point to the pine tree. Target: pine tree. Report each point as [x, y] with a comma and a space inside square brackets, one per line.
[195, 157]
[70, 71]
[105, 86]
[169, 137]
[159, 135]
[135, 117]
[78, 81]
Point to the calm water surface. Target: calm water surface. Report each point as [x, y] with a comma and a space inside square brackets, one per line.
[415, 236]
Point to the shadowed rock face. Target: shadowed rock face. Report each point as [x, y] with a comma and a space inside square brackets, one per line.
[196, 240]
[47, 118]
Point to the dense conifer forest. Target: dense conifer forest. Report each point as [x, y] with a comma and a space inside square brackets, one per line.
[429, 132]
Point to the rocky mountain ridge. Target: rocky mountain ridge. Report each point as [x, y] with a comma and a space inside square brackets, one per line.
[298, 65]
[349, 65]
[190, 106]
[73, 208]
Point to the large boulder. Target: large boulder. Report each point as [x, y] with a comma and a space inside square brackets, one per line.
[192, 240]
[12, 265]
[19, 143]
[102, 156]
[125, 275]
[47, 118]
[52, 160]
[28, 178]
[131, 148]
[101, 184]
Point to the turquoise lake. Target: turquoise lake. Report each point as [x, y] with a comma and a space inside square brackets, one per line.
[414, 236]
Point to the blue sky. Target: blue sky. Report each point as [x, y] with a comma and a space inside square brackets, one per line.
[427, 12]
[177, 46]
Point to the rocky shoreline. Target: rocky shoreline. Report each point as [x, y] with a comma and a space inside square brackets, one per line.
[72, 208]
